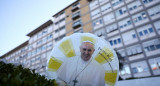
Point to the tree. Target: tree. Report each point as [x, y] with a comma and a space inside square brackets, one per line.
[12, 75]
[121, 60]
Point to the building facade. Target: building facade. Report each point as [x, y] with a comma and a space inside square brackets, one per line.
[132, 27]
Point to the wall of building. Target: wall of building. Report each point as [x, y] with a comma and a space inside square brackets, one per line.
[132, 27]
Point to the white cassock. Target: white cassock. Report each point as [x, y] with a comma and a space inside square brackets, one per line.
[88, 73]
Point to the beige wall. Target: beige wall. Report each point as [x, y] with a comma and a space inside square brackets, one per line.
[83, 2]
[84, 10]
[68, 14]
[68, 10]
[69, 27]
[86, 18]
[87, 27]
[70, 33]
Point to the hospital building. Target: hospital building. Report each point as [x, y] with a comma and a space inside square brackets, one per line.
[132, 27]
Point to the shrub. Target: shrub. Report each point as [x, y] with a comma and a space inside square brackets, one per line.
[11, 75]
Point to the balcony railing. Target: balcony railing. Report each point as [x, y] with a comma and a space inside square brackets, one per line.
[75, 8]
[77, 24]
[76, 16]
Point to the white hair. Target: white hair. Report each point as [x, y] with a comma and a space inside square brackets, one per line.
[88, 41]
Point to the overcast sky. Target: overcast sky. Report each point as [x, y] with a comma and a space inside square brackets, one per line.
[20, 17]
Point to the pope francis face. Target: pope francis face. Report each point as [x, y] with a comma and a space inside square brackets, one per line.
[86, 50]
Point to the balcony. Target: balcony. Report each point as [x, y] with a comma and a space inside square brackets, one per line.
[76, 16]
[77, 24]
[89, 0]
[75, 8]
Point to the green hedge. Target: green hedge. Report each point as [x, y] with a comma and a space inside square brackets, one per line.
[11, 75]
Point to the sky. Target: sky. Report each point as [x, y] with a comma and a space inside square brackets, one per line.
[20, 17]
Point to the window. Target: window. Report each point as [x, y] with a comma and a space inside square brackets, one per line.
[44, 40]
[75, 5]
[133, 50]
[147, 1]
[101, 1]
[97, 22]
[39, 42]
[50, 28]
[77, 24]
[76, 15]
[125, 23]
[119, 40]
[61, 28]
[151, 45]
[29, 54]
[30, 47]
[134, 69]
[155, 63]
[61, 13]
[150, 30]
[48, 53]
[111, 42]
[129, 22]
[56, 23]
[157, 25]
[111, 28]
[106, 7]
[56, 30]
[120, 11]
[56, 39]
[100, 33]
[44, 32]
[49, 36]
[122, 52]
[62, 36]
[39, 49]
[125, 70]
[139, 17]
[129, 36]
[49, 45]
[158, 46]
[44, 47]
[145, 30]
[134, 36]
[93, 3]
[116, 2]
[140, 34]
[144, 16]
[43, 56]
[95, 12]
[154, 11]
[63, 19]
[39, 35]
[108, 17]
[130, 9]
[37, 58]
[115, 41]
[139, 67]
[134, 5]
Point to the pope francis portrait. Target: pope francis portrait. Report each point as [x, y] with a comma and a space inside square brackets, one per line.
[81, 70]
